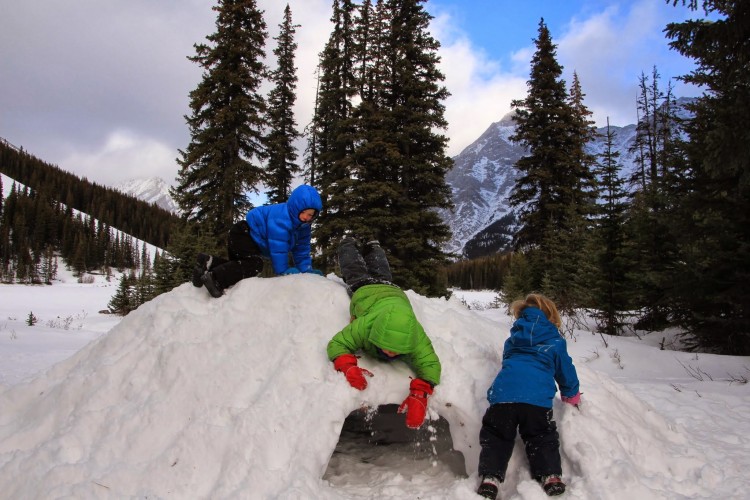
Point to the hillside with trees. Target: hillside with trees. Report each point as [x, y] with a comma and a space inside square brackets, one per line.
[46, 219]
[130, 215]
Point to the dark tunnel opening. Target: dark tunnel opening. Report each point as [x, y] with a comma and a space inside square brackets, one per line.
[375, 443]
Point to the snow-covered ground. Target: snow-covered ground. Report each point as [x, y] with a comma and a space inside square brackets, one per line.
[194, 397]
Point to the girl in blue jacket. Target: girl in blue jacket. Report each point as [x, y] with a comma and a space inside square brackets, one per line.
[271, 232]
[535, 357]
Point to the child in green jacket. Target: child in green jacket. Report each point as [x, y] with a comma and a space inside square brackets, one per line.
[384, 326]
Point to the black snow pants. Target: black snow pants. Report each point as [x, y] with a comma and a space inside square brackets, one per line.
[368, 267]
[244, 261]
[538, 432]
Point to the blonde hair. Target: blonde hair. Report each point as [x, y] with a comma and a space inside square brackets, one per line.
[541, 302]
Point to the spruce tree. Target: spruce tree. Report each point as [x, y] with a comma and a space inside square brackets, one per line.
[652, 211]
[222, 163]
[332, 133]
[144, 288]
[282, 155]
[568, 247]
[121, 301]
[381, 164]
[5, 240]
[609, 283]
[712, 296]
[582, 132]
[416, 163]
[179, 258]
[370, 194]
[656, 131]
[519, 279]
[556, 188]
[164, 274]
[538, 120]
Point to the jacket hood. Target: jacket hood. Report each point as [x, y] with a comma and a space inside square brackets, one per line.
[532, 327]
[395, 329]
[302, 198]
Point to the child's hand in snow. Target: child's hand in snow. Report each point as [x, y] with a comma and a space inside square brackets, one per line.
[572, 400]
[415, 405]
[347, 364]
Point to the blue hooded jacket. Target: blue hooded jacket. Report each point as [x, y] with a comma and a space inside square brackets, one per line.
[277, 229]
[535, 356]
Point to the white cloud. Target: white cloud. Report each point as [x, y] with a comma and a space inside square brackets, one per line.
[77, 75]
[611, 49]
[481, 91]
[123, 151]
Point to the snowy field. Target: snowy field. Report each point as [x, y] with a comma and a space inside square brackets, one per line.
[194, 397]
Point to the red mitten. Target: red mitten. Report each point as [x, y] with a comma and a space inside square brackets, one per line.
[415, 405]
[347, 364]
[572, 400]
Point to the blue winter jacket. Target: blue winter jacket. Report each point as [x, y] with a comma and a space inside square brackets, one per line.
[535, 356]
[277, 229]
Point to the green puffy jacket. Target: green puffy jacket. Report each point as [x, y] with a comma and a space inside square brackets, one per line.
[383, 317]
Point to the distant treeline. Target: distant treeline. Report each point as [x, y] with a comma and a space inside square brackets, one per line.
[35, 229]
[482, 273]
[135, 217]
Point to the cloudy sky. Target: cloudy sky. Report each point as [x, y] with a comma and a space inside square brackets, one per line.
[100, 88]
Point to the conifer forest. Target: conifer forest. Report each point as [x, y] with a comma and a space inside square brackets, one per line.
[665, 246]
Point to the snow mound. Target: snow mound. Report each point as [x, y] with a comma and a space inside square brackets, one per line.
[194, 397]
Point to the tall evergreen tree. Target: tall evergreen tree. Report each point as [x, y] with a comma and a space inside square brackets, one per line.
[568, 248]
[282, 155]
[48, 267]
[311, 133]
[609, 284]
[417, 162]
[374, 179]
[556, 188]
[380, 156]
[652, 211]
[713, 269]
[164, 274]
[582, 132]
[519, 279]
[333, 132]
[653, 131]
[176, 266]
[538, 118]
[4, 240]
[372, 40]
[222, 162]
[144, 287]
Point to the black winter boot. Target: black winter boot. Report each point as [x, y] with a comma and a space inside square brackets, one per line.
[553, 485]
[489, 487]
[212, 286]
[203, 262]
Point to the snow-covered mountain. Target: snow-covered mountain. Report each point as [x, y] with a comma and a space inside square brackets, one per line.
[483, 177]
[481, 180]
[151, 190]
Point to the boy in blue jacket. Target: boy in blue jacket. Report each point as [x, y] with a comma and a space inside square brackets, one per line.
[535, 356]
[270, 231]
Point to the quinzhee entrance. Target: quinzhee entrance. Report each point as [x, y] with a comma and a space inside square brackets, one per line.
[375, 446]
